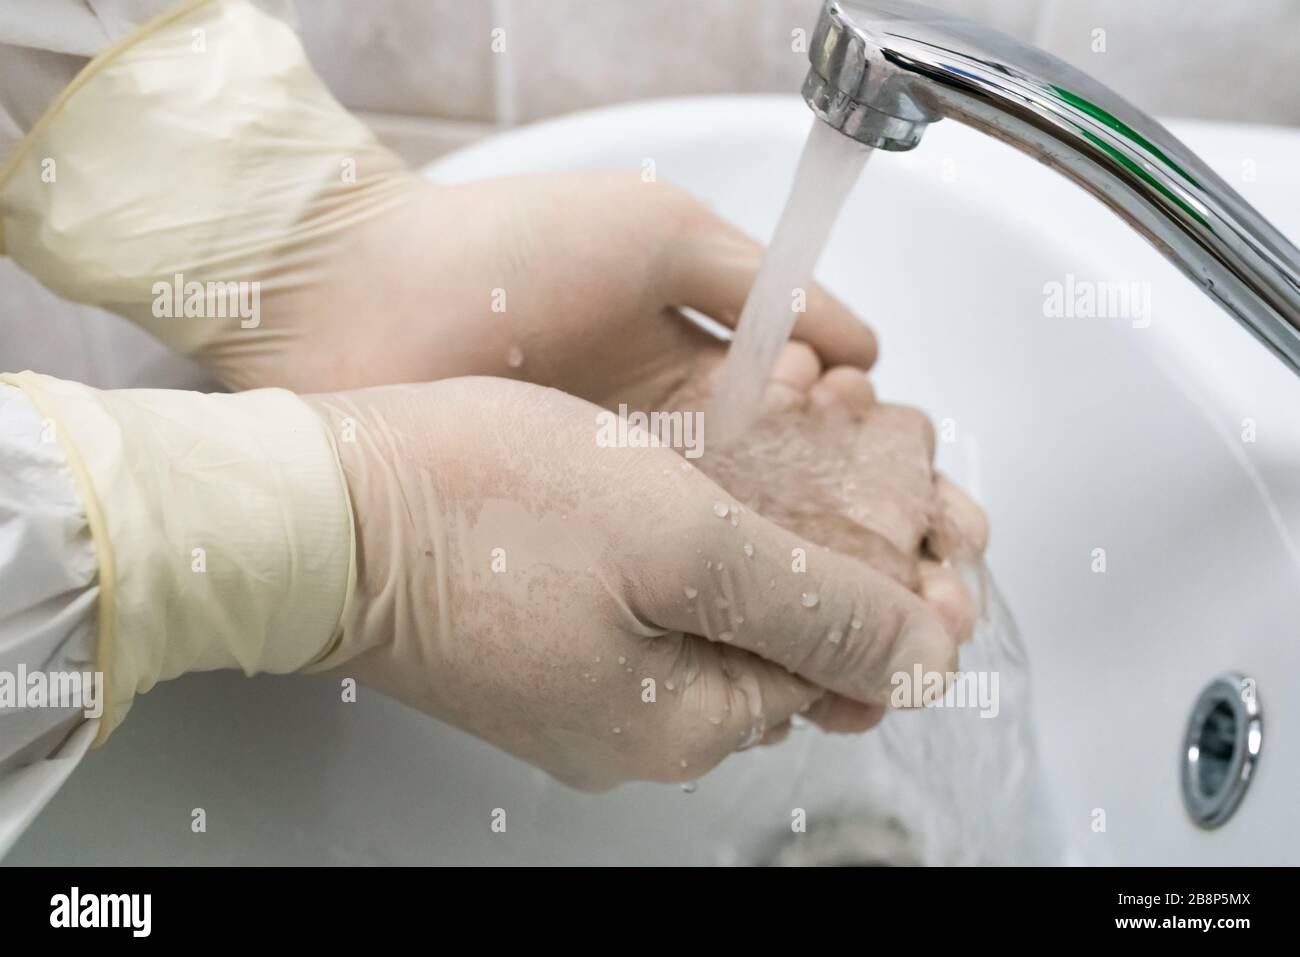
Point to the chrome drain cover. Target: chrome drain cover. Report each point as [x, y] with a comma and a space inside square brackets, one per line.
[1221, 748]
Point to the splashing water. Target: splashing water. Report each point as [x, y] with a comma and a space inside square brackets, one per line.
[828, 168]
[970, 787]
[940, 786]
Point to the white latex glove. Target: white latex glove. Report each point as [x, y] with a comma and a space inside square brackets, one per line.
[571, 280]
[826, 460]
[521, 582]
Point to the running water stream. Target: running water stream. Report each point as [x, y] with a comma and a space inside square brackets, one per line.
[965, 784]
[828, 168]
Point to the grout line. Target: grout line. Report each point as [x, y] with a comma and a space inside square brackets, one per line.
[503, 72]
[420, 139]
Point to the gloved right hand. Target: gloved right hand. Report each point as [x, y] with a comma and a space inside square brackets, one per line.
[225, 202]
[603, 613]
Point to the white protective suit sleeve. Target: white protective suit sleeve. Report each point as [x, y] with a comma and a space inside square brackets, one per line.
[188, 532]
[44, 45]
[48, 607]
[48, 612]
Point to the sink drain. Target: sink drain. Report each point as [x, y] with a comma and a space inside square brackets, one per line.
[1220, 749]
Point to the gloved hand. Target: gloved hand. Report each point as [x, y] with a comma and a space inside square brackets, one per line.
[828, 462]
[224, 201]
[588, 271]
[604, 613]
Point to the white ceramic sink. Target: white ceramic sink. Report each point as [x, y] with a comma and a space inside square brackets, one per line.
[1077, 434]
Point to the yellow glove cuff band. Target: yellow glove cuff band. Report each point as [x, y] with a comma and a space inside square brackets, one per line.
[222, 529]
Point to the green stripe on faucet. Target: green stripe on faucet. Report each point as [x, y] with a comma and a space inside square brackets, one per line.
[1097, 113]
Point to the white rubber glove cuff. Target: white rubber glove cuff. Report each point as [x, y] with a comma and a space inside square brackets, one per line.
[222, 526]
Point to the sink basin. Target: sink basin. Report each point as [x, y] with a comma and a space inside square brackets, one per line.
[1173, 445]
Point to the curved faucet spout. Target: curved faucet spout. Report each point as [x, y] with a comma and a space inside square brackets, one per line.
[882, 70]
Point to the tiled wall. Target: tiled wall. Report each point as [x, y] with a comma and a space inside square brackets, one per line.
[425, 74]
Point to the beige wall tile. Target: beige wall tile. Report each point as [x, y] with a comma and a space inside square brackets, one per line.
[425, 57]
[571, 54]
[1206, 58]
[779, 64]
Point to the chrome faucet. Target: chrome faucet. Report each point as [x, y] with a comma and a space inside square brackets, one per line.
[883, 70]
